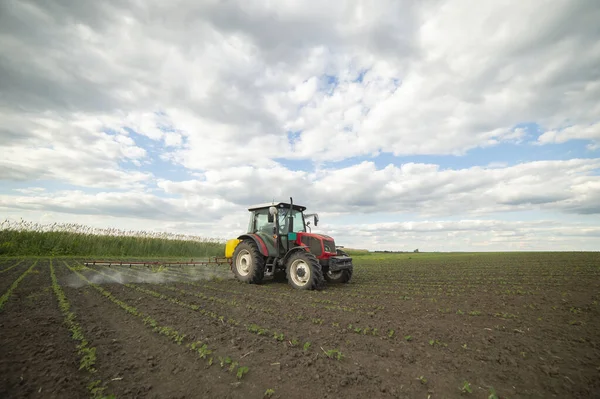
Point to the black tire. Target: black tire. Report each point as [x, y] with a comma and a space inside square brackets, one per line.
[304, 272]
[341, 277]
[248, 263]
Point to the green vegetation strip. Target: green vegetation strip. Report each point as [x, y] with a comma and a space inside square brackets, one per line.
[33, 239]
[87, 353]
[14, 285]
[11, 267]
[198, 346]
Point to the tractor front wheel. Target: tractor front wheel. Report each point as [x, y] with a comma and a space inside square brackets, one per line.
[341, 276]
[248, 263]
[304, 271]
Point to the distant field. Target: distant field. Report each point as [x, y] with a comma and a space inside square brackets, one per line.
[522, 325]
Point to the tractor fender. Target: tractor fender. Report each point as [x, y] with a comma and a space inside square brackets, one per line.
[293, 251]
[262, 248]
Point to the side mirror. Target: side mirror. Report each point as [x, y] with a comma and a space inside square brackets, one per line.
[316, 219]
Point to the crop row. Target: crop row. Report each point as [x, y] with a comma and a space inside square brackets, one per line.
[15, 284]
[274, 294]
[88, 354]
[337, 326]
[263, 308]
[12, 266]
[325, 303]
[199, 347]
[276, 334]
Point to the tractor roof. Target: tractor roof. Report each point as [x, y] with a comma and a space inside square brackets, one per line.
[266, 205]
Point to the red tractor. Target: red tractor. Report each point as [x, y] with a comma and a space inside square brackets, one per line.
[277, 244]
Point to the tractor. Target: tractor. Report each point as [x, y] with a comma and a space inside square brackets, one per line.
[278, 245]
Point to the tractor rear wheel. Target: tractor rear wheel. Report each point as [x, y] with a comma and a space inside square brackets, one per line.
[248, 263]
[304, 271]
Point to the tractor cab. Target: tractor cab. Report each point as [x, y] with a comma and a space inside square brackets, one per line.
[262, 218]
[278, 232]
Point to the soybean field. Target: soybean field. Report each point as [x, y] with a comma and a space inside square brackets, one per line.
[478, 325]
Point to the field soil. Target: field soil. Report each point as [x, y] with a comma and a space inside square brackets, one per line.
[520, 325]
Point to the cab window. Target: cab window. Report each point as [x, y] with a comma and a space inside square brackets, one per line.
[261, 222]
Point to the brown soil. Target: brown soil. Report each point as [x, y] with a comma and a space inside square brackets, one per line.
[525, 324]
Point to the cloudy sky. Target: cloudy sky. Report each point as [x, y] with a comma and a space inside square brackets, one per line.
[438, 125]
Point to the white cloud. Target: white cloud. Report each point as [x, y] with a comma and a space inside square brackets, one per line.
[480, 235]
[426, 189]
[75, 151]
[216, 87]
[417, 189]
[130, 205]
[226, 74]
[30, 190]
[577, 132]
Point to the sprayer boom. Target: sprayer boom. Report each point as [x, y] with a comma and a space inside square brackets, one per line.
[211, 261]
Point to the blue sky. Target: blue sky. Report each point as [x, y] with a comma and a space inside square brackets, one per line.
[396, 124]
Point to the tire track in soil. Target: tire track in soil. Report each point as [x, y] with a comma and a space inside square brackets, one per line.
[332, 378]
[37, 356]
[139, 356]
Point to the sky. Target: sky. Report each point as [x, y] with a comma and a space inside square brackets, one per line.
[438, 125]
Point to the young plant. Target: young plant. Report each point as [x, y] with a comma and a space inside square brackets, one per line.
[241, 371]
[466, 388]
[333, 353]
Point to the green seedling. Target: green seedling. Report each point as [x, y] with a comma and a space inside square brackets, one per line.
[232, 366]
[241, 371]
[333, 353]
[278, 337]
[466, 387]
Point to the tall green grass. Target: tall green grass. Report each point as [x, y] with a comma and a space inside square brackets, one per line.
[33, 239]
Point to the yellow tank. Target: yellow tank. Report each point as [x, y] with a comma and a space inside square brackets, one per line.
[230, 247]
